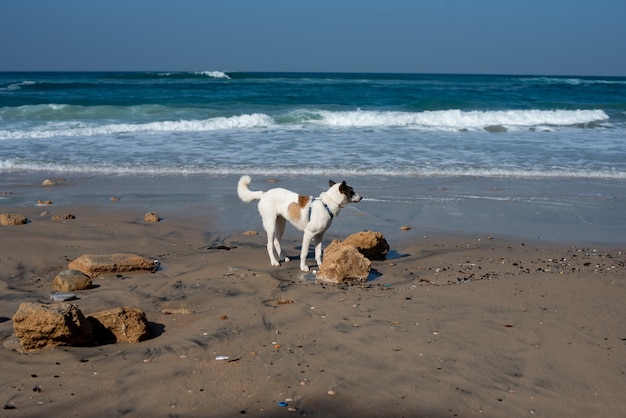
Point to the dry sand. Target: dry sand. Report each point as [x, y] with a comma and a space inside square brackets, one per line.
[467, 326]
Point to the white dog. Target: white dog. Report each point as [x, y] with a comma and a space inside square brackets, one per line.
[311, 215]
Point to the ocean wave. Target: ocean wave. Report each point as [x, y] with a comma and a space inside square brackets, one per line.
[214, 74]
[461, 120]
[18, 85]
[42, 114]
[81, 129]
[210, 74]
[444, 120]
[299, 170]
[575, 81]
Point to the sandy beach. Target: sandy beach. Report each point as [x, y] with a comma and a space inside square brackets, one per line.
[452, 324]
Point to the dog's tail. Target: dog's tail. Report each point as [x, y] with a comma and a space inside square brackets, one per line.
[246, 194]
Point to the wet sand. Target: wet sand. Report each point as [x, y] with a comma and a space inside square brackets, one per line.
[452, 324]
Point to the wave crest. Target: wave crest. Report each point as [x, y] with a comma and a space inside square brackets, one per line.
[80, 124]
[214, 74]
[453, 119]
[278, 170]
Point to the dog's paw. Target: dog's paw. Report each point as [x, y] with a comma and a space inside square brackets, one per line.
[286, 259]
[275, 263]
[304, 268]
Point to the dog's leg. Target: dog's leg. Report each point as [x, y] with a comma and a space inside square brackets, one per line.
[306, 242]
[270, 229]
[280, 228]
[318, 248]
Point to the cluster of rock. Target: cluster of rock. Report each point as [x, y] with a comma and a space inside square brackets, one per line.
[350, 260]
[39, 325]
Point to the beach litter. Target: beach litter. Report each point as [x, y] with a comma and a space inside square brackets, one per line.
[62, 296]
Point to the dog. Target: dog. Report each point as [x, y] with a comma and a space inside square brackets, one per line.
[310, 215]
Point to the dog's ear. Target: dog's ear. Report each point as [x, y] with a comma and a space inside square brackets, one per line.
[343, 186]
[331, 183]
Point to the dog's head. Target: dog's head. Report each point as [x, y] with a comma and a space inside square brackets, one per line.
[348, 195]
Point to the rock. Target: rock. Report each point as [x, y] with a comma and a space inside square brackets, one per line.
[372, 245]
[63, 217]
[151, 217]
[7, 219]
[343, 263]
[48, 182]
[70, 281]
[44, 202]
[125, 324]
[38, 325]
[94, 265]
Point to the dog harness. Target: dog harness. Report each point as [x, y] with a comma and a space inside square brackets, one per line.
[325, 205]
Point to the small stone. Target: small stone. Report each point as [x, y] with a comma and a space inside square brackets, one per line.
[176, 311]
[71, 280]
[115, 199]
[63, 217]
[405, 228]
[48, 182]
[151, 217]
[44, 202]
[250, 232]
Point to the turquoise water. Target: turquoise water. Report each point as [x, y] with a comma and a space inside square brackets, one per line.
[293, 124]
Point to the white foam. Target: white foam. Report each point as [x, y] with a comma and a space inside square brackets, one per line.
[459, 120]
[444, 120]
[82, 129]
[277, 170]
[214, 74]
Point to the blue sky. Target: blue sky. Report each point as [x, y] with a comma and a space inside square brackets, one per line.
[548, 37]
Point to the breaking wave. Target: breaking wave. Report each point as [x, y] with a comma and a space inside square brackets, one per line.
[72, 121]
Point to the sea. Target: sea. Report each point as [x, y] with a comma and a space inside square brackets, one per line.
[556, 140]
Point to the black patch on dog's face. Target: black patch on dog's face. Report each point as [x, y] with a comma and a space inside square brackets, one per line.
[346, 190]
[349, 192]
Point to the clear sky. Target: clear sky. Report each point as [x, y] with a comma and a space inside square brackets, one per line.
[547, 37]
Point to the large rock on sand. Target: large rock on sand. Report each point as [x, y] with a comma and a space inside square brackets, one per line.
[38, 325]
[343, 263]
[8, 219]
[94, 265]
[372, 245]
[70, 281]
[128, 325]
